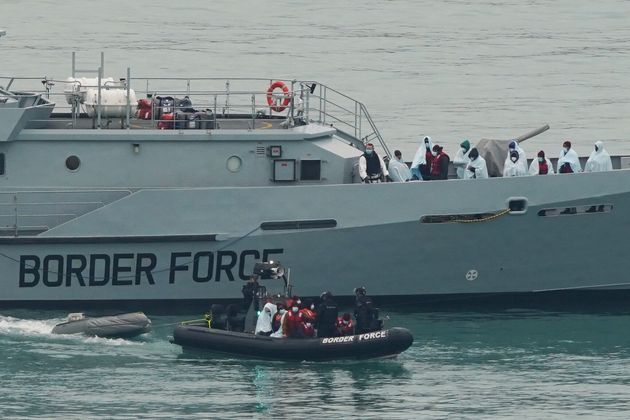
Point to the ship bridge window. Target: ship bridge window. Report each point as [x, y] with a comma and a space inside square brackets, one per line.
[73, 163]
[310, 170]
[299, 224]
[1, 163]
[576, 210]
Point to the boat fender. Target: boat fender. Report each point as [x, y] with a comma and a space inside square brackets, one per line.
[278, 107]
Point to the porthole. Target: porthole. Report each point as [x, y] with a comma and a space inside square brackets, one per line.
[73, 162]
[234, 164]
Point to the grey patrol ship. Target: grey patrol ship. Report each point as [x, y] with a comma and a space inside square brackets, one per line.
[102, 202]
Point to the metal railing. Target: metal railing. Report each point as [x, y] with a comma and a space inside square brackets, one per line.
[246, 98]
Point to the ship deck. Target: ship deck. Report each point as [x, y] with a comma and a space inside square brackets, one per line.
[63, 121]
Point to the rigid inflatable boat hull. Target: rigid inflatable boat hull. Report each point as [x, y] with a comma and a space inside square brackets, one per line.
[378, 344]
[115, 326]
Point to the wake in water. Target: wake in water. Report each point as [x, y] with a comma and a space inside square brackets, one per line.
[39, 328]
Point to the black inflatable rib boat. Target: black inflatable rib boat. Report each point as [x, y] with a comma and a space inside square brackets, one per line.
[384, 343]
[197, 335]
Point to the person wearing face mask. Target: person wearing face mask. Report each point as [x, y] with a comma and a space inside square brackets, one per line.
[345, 326]
[265, 319]
[476, 168]
[327, 313]
[372, 169]
[293, 325]
[541, 165]
[421, 164]
[522, 158]
[512, 166]
[278, 321]
[568, 162]
[439, 164]
[461, 158]
[308, 316]
[398, 169]
[599, 161]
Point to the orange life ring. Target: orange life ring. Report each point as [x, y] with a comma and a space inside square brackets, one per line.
[270, 98]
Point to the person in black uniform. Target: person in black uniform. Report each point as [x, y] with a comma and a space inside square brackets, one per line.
[365, 313]
[327, 313]
[249, 291]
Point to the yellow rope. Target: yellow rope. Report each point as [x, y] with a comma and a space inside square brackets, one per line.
[485, 219]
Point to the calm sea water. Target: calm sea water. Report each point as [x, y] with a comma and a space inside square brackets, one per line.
[452, 69]
[512, 364]
[449, 69]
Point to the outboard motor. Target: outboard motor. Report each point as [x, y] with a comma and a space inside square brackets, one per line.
[218, 316]
[235, 321]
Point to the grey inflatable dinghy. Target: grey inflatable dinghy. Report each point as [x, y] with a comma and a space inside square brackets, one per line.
[123, 325]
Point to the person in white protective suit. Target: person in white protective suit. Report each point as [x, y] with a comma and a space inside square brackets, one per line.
[541, 165]
[513, 166]
[461, 158]
[398, 169]
[263, 324]
[477, 168]
[568, 161]
[421, 163]
[522, 157]
[599, 161]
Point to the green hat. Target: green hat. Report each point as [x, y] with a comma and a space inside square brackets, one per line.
[465, 144]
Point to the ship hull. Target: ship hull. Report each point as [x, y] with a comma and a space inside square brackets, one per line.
[381, 240]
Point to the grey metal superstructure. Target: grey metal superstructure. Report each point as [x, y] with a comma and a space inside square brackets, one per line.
[110, 208]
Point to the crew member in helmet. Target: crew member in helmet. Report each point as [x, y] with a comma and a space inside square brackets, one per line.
[249, 291]
[599, 161]
[293, 324]
[345, 326]
[476, 168]
[372, 169]
[568, 161]
[541, 165]
[365, 313]
[327, 313]
[439, 164]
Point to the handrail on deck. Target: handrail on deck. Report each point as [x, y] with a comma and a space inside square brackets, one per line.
[309, 100]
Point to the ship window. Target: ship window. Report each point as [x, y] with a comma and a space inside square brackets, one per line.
[576, 210]
[299, 224]
[1, 163]
[517, 205]
[73, 163]
[310, 170]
